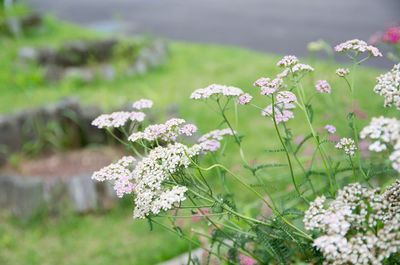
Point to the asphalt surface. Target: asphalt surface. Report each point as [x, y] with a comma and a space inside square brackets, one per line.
[279, 26]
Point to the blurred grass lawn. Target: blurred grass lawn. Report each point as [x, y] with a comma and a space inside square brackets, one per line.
[115, 238]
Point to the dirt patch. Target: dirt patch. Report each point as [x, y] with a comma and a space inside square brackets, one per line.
[68, 164]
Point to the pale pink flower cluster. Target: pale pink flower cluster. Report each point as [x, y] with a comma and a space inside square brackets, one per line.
[168, 131]
[347, 145]
[388, 86]
[330, 128]
[342, 72]
[302, 68]
[283, 107]
[322, 86]
[268, 86]
[358, 46]
[246, 260]
[211, 141]
[348, 225]
[120, 173]
[117, 119]
[216, 90]
[245, 99]
[142, 104]
[288, 61]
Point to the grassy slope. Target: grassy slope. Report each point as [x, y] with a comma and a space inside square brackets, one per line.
[115, 238]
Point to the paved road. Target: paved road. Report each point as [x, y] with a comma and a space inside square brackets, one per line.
[280, 26]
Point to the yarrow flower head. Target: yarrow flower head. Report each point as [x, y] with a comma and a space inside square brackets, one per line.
[330, 128]
[168, 131]
[347, 145]
[288, 61]
[150, 174]
[358, 46]
[117, 119]
[360, 226]
[268, 86]
[283, 107]
[216, 90]
[245, 99]
[322, 86]
[384, 131]
[120, 173]
[342, 72]
[388, 86]
[246, 260]
[142, 104]
[302, 68]
[211, 141]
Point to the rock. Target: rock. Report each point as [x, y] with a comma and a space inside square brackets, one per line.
[83, 193]
[79, 73]
[6, 190]
[106, 195]
[28, 54]
[56, 196]
[26, 197]
[10, 136]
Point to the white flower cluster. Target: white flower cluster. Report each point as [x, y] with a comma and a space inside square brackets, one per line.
[151, 173]
[358, 46]
[216, 90]
[120, 173]
[342, 72]
[283, 107]
[117, 119]
[388, 86]
[291, 63]
[211, 141]
[361, 226]
[168, 131]
[142, 104]
[347, 145]
[386, 135]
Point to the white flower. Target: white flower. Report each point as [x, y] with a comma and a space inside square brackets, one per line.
[384, 131]
[388, 86]
[322, 86]
[288, 61]
[117, 119]
[142, 104]
[342, 72]
[210, 142]
[301, 67]
[348, 145]
[357, 46]
[216, 90]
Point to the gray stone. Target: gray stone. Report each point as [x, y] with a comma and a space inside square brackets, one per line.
[26, 197]
[106, 195]
[6, 191]
[57, 197]
[83, 194]
[28, 54]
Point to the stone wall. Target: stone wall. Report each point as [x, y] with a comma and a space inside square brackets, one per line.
[26, 196]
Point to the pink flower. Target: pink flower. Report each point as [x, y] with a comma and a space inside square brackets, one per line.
[322, 86]
[392, 35]
[246, 260]
[197, 217]
[245, 99]
[330, 128]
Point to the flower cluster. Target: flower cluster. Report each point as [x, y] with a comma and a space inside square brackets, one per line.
[168, 131]
[282, 108]
[142, 104]
[216, 90]
[388, 86]
[360, 226]
[268, 86]
[245, 99]
[288, 61]
[347, 145]
[330, 128]
[342, 72]
[152, 193]
[386, 134]
[120, 173]
[392, 35]
[211, 141]
[357, 46]
[117, 119]
[322, 86]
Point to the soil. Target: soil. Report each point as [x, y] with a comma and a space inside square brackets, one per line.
[67, 164]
